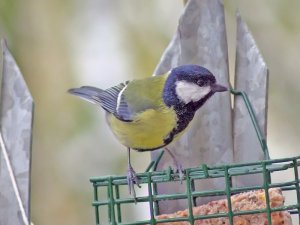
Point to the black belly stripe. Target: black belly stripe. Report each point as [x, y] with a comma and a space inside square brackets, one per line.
[185, 116]
[149, 149]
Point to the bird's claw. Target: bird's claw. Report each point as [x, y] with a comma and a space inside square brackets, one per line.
[178, 165]
[180, 170]
[132, 179]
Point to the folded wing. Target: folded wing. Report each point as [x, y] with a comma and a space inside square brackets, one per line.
[125, 100]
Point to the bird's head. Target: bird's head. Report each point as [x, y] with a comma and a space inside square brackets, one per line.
[190, 84]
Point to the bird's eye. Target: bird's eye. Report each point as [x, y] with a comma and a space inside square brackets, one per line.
[200, 82]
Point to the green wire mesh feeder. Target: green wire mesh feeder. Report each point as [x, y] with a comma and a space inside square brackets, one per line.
[113, 201]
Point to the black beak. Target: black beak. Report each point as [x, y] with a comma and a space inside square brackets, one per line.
[218, 88]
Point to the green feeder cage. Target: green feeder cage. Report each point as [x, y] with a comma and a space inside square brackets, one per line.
[109, 202]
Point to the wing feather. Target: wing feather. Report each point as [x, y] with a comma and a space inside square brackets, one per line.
[126, 100]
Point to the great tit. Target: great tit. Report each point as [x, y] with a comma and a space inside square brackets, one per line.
[150, 113]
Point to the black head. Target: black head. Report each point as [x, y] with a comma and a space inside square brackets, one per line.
[190, 85]
[187, 88]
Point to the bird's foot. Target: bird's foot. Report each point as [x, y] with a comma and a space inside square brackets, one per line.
[179, 167]
[132, 179]
[180, 170]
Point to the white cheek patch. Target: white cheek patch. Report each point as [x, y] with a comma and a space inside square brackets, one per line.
[188, 92]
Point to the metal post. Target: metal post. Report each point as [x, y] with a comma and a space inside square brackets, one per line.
[15, 138]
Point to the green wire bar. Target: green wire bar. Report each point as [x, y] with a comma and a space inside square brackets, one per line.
[266, 167]
[114, 200]
[249, 107]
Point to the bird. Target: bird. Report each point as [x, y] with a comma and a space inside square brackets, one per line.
[149, 114]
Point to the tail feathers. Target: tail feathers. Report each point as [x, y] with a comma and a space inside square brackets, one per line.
[108, 99]
[91, 94]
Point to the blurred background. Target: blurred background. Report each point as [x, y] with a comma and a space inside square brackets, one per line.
[63, 44]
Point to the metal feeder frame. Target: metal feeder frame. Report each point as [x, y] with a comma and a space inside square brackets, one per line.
[151, 178]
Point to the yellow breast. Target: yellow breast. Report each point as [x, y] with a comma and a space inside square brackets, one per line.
[147, 131]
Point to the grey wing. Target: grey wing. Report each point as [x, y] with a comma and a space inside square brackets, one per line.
[112, 100]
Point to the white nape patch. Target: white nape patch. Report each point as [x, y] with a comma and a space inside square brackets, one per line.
[187, 91]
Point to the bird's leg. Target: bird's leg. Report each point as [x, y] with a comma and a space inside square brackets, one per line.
[131, 177]
[178, 165]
